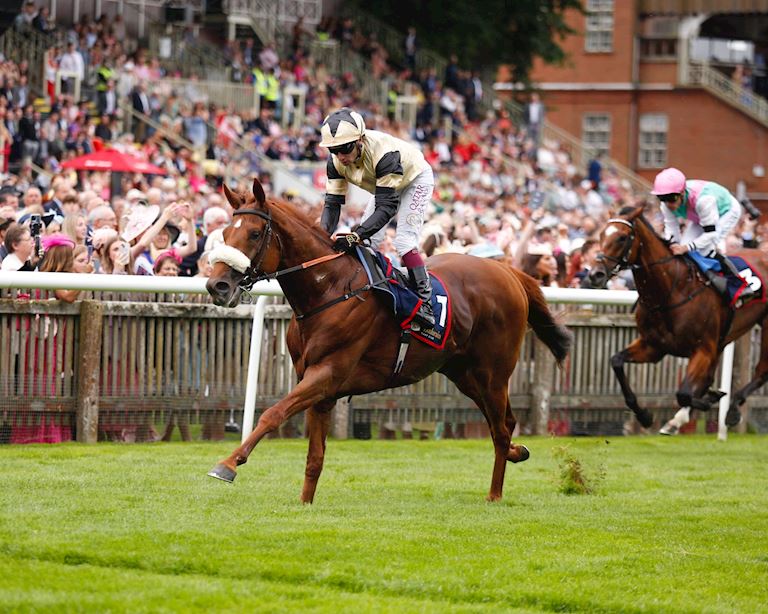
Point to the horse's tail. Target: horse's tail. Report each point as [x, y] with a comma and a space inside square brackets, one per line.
[554, 335]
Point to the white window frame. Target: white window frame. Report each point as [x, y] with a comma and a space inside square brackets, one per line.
[598, 30]
[653, 140]
[596, 130]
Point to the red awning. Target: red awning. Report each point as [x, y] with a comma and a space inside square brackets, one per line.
[112, 160]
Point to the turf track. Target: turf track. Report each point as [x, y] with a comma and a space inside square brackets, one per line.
[677, 525]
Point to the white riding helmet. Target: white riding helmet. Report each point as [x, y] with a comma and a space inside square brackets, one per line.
[341, 127]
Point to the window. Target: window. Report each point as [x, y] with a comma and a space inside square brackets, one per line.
[599, 26]
[653, 141]
[596, 133]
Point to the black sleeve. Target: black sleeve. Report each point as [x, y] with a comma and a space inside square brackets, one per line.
[386, 208]
[330, 169]
[389, 164]
[331, 212]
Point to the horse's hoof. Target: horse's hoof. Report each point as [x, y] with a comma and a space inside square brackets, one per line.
[669, 429]
[733, 417]
[518, 454]
[645, 418]
[224, 473]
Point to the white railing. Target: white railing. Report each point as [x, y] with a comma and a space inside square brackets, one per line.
[726, 89]
[186, 285]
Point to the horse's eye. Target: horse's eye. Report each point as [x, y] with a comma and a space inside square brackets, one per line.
[255, 234]
[622, 239]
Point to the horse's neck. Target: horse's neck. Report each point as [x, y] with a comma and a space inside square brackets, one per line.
[306, 289]
[654, 276]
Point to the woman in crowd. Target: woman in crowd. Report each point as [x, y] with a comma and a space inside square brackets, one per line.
[59, 258]
[540, 264]
[75, 227]
[167, 264]
[21, 249]
[115, 257]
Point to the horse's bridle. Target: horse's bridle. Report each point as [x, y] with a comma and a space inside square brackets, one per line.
[253, 273]
[622, 262]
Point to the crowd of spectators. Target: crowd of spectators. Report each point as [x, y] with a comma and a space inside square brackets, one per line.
[502, 191]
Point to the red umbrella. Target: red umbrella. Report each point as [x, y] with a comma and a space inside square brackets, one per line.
[112, 160]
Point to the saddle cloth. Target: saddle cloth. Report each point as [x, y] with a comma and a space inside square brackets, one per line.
[749, 276]
[392, 286]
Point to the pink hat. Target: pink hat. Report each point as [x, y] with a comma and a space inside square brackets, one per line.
[56, 239]
[169, 253]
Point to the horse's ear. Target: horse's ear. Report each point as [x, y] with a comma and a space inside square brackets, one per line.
[234, 199]
[637, 212]
[258, 192]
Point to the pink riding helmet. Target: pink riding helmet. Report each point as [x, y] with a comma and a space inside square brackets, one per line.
[668, 181]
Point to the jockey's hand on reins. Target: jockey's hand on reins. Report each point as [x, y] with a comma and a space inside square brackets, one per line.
[347, 242]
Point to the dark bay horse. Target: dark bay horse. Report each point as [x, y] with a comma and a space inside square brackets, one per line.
[678, 313]
[350, 347]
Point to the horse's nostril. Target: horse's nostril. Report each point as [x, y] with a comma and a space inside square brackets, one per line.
[221, 287]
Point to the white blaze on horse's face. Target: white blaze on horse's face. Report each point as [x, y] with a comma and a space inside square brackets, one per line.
[610, 230]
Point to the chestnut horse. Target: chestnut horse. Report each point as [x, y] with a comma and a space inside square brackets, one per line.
[678, 313]
[348, 347]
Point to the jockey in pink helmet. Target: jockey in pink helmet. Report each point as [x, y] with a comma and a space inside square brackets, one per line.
[711, 211]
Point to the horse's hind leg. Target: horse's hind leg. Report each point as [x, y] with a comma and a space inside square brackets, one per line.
[517, 452]
[318, 425]
[637, 351]
[759, 378]
[490, 393]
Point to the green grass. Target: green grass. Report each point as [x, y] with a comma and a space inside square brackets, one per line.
[674, 525]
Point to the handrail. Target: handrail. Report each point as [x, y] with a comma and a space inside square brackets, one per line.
[128, 108]
[31, 46]
[724, 88]
[392, 40]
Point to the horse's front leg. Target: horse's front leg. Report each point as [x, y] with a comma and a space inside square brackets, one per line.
[315, 387]
[318, 425]
[637, 351]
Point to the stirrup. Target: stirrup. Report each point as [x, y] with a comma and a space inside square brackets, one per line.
[424, 317]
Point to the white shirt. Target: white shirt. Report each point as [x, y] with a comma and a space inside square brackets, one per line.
[73, 63]
[11, 263]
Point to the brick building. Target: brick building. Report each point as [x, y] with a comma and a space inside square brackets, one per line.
[656, 83]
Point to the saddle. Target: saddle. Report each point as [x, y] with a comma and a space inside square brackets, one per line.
[391, 286]
[735, 285]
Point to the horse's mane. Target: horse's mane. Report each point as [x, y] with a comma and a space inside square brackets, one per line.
[627, 209]
[291, 210]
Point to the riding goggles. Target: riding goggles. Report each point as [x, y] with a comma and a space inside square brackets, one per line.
[668, 198]
[346, 148]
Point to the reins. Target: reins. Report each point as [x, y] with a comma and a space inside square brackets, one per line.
[622, 262]
[253, 273]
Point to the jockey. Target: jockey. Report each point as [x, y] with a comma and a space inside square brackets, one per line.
[712, 212]
[401, 182]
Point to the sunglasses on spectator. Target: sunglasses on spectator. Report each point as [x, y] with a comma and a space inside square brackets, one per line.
[346, 148]
[668, 198]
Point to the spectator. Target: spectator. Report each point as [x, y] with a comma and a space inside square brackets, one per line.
[75, 227]
[167, 264]
[20, 247]
[59, 258]
[534, 118]
[541, 264]
[115, 257]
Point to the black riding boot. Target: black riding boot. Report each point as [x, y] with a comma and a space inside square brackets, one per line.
[729, 269]
[423, 287]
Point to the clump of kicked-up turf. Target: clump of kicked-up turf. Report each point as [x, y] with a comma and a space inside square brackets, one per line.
[573, 477]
